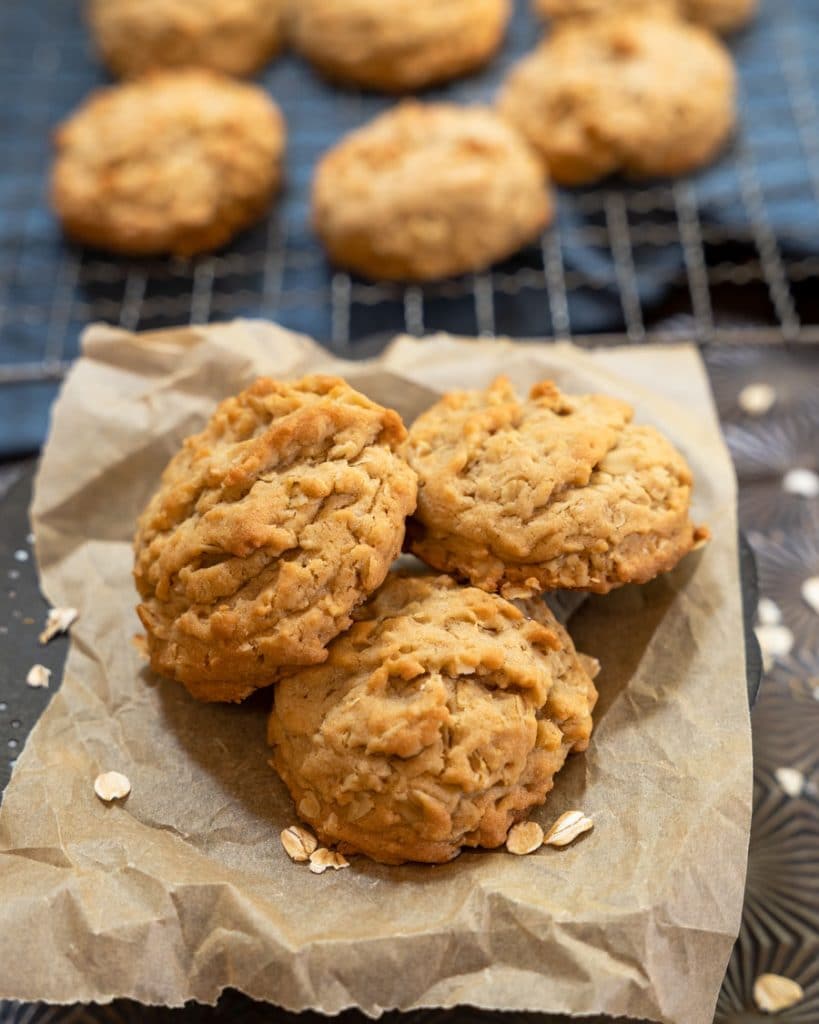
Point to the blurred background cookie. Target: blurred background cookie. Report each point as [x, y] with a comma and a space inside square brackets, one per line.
[719, 15]
[429, 191]
[438, 721]
[177, 162]
[400, 45]
[557, 491]
[647, 95]
[267, 530]
[234, 36]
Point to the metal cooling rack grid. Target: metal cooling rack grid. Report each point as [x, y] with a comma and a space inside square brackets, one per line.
[732, 251]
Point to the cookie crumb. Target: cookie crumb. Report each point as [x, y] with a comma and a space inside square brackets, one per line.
[524, 838]
[38, 677]
[298, 843]
[112, 786]
[322, 859]
[59, 620]
[773, 993]
[567, 828]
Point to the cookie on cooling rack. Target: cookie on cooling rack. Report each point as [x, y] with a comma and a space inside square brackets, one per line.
[718, 15]
[268, 529]
[398, 46]
[438, 721]
[176, 162]
[234, 36]
[648, 95]
[554, 492]
[429, 191]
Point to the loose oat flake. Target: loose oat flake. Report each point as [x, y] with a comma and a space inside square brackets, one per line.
[524, 838]
[773, 993]
[567, 828]
[810, 593]
[112, 786]
[804, 483]
[59, 621]
[298, 843]
[768, 612]
[775, 642]
[38, 676]
[757, 399]
[790, 780]
[322, 859]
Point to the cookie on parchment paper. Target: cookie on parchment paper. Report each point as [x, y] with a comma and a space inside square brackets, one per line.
[236, 37]
[427, 191]
[268, 529]
[438, 721]
[176, 162]
[647, 95]
[400, 45]
[552, 492]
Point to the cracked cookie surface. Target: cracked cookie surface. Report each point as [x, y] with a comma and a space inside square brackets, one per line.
[398, 46]
[644, 94]
[268, 529]
[175, 162]
[558, 491]
[428, 191]
[234, 36]
[438, 721]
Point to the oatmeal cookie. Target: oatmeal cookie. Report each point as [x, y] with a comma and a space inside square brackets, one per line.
[429, 191]
[718, 15]
[400, 46]
[554, 492]
[644, 94]
[438, 721]
[236, 37]
[268, 529]
[177, 162]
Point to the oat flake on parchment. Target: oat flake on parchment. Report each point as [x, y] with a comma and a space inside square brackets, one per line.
[322, 859]
[112, 786]
[525, 837]
[567, 828]
[298, 843]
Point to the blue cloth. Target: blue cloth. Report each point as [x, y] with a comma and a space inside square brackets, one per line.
[49, 290]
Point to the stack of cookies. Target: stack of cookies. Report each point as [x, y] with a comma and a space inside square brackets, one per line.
[415, 712]
[181, 157]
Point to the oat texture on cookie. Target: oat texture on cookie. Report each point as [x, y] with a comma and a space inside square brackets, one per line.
[398, 46]
[175, 162]
[234, 36]
[718, 15]
[647, 95]
[428, 191]
[555, 491]
[268, 529]
[438, 721]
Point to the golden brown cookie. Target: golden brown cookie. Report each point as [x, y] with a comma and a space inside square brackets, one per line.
[644, 94]
[429, 191]
[438, 721]
[400, 45]
[268, 529]
[234, 36]
[554, 492]
[177, 162]
[718, 15]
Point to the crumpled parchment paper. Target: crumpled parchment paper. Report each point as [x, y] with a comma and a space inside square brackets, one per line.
[184, 889]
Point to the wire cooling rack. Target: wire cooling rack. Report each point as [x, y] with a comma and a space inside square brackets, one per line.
[730, 255]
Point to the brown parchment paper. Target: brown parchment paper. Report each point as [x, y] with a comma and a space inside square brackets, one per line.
[184, 889]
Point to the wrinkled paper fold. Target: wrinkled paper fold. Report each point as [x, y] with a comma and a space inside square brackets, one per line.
[184, 888]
